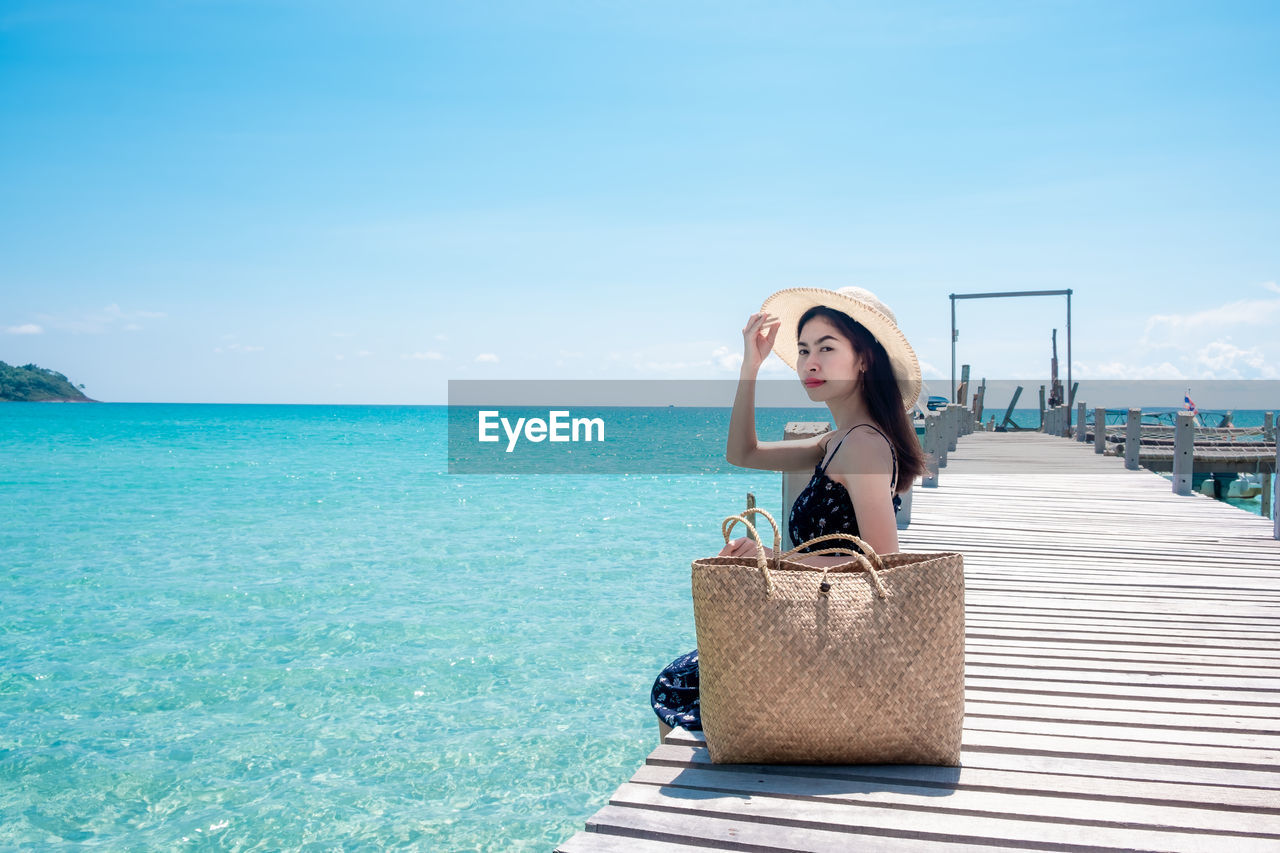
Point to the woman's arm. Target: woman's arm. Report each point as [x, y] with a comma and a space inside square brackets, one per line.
[744, 448]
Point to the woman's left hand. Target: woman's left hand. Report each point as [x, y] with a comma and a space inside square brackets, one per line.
[743, 547]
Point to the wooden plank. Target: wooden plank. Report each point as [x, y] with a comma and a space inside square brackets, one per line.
[979, 778]
[1170, 736]
[1171, 695]
[926, 820]
[1089, 807]
[1149, 714]
[1158, 622]
[709, 831]
[1122, 639]
[1224, 657]
[600, 842]
[1264, 686]
[1180, 665]
[1112, 767]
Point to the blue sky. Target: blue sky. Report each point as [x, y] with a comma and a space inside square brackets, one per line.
[321, 202]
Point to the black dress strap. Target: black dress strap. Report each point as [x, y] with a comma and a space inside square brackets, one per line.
[822, 467]
[892, 482]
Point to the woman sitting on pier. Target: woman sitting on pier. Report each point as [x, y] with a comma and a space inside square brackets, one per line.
[849, 353]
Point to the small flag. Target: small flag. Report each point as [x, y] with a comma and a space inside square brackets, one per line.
[1189, 405]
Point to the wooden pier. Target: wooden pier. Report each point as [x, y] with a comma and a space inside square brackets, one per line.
[1122, 684]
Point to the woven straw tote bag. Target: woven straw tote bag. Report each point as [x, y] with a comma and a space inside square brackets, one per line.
[859, 663]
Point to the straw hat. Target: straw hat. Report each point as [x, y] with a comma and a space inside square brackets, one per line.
[862, 306]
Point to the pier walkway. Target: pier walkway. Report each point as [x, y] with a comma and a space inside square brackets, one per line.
[1122, 684]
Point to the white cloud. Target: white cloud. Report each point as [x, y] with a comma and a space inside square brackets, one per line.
[928, 371]
[364, 353]
[1225, 360]
[774, 366]
[688, 360]
[108, 319]
[1183, 330]
[487, 358]
[726, 359]
[25, 329]
[237, 347]
[1230, 341]
[429, 355]
[1121, 370]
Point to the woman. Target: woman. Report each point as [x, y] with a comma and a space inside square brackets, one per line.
[846, 347]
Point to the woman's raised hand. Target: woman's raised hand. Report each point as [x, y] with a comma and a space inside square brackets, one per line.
[758, 337]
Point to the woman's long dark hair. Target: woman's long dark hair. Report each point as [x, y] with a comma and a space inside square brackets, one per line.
[881, 392]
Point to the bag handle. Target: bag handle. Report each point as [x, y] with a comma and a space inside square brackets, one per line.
[863, 547]
[728, 523]
[868, 560]
[762, 562]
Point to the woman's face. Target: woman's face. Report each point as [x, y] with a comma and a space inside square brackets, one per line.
[827, 363]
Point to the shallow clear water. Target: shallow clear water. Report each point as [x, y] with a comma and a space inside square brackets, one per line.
[268, 627]
[259, 627]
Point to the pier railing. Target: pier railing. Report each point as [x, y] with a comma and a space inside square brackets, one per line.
[1180, 449]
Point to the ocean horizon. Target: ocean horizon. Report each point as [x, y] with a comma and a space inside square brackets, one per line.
[241, 626]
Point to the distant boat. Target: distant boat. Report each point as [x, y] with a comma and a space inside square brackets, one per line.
[935, 402]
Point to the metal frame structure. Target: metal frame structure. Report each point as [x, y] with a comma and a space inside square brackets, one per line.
[955, 333]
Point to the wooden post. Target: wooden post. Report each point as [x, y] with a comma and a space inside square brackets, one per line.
[1268, 426]
[929, 479]
[1275, 524]
[1081, 429]
[940, 438]
[1008, 413]
[953, 426]
[1184, 448]
[1132, 439]
[1099, 430]
[1266, 493]
[1042, 424]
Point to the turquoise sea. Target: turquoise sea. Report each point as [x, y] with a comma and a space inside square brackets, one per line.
[276, 627]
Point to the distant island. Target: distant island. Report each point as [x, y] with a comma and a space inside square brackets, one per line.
[32, 384]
